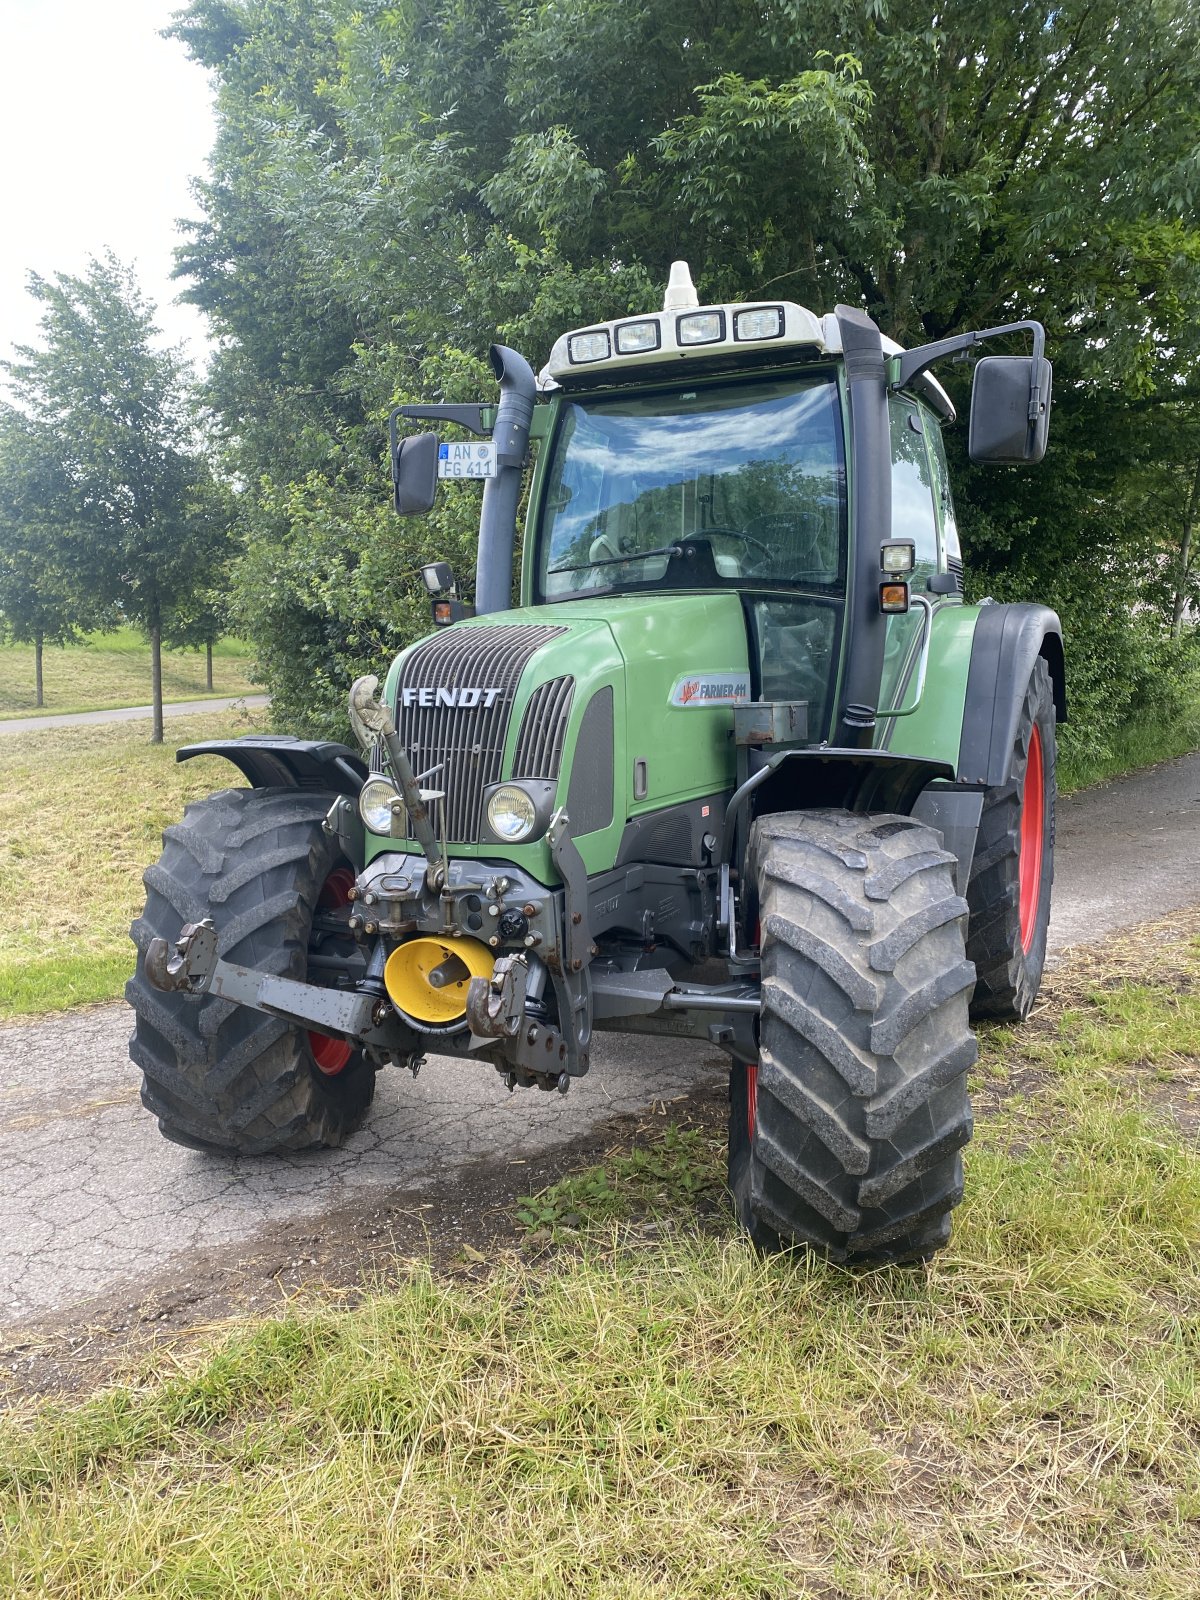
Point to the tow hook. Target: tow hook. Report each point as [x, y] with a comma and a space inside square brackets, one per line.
[191, 961]
[496, 1005]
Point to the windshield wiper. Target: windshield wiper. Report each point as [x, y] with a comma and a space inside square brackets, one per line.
[615, 561]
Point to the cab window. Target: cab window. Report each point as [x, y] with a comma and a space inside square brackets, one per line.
[913, 507]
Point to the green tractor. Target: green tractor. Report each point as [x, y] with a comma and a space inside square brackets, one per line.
[742, 768]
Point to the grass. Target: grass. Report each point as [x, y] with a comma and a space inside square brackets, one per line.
[1133, 745]
[674, 1416]
[111, 670]
[81, 815]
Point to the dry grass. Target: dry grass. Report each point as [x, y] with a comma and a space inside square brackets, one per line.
[113, 669]
[81, 815]
[678, 1417]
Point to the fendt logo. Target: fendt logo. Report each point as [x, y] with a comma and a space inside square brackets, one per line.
[456, 699]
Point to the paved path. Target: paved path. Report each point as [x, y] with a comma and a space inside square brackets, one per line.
[92, 1196]
[176, 708]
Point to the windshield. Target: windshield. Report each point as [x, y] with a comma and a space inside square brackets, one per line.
[743, 484]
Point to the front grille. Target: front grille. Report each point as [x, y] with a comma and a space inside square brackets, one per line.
[543, 730]
[460, 746]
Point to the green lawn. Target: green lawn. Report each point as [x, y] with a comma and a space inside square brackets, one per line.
[81, 815]
[113, 669]
[664, 1416]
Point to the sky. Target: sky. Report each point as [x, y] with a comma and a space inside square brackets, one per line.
[102, 124]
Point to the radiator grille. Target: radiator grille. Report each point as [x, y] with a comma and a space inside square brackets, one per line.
[465, 742]
[543, 730]
[590, 800]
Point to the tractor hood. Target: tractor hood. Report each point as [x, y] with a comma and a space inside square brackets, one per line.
[623, 705]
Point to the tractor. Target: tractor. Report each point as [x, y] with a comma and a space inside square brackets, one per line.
[742, 767]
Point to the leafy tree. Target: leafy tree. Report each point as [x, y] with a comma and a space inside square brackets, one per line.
[134, 504]
[392, 186]
[42, 600]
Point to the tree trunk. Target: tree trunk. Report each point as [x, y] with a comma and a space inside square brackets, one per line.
[38, 641]
[156, 736]
[1185, 557]
[208, 665]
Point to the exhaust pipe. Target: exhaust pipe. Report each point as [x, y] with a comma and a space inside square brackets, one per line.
[501, 494]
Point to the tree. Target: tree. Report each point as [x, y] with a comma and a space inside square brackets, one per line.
[41, 599]
[394, 185]
[135, 503]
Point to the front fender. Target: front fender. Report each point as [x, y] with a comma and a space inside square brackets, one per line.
[1007, 642]
[279, 761]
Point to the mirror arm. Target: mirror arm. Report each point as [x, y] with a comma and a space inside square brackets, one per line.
[911, 363]
[467, 416]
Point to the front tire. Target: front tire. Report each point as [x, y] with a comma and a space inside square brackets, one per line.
[1013, 869]
[220, 1076]
[846, 1135]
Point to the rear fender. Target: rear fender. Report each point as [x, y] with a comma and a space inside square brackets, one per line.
[1007, 642]
[278, 761]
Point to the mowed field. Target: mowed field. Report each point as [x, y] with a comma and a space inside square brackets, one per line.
[111, 670]
[81, 815]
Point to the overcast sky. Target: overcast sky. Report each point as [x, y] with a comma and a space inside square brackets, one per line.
[102, 124]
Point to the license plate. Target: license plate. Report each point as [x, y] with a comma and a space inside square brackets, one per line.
[477, 460]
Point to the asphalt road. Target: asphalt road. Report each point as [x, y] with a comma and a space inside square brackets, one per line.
[175, 708]
[93, 1197]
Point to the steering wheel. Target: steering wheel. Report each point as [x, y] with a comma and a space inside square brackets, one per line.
[784, 525]
[731, 533]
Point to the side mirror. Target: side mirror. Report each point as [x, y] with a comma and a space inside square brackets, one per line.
[1010, 410]
[415, 473]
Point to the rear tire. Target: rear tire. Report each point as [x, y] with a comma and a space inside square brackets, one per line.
[1013, 870]
[845, 1136]
[220, 1076]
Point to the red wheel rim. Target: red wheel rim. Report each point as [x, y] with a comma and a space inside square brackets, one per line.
[332, 1055]
[1033, 817]
[751, 1098]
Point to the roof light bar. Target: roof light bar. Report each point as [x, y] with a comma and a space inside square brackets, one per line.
[685, 329]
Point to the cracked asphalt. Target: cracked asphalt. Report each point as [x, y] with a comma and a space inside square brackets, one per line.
[94, 1198]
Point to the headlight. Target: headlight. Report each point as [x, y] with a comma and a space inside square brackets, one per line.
[375, 801]
[511, 813]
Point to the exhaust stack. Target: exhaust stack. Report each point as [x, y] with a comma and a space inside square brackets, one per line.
[498, 516]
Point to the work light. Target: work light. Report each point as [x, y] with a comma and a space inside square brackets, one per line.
[898, 556]
[633, 337]
[584, 347]
[766, 322]
[701, 327]
[438, 576]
